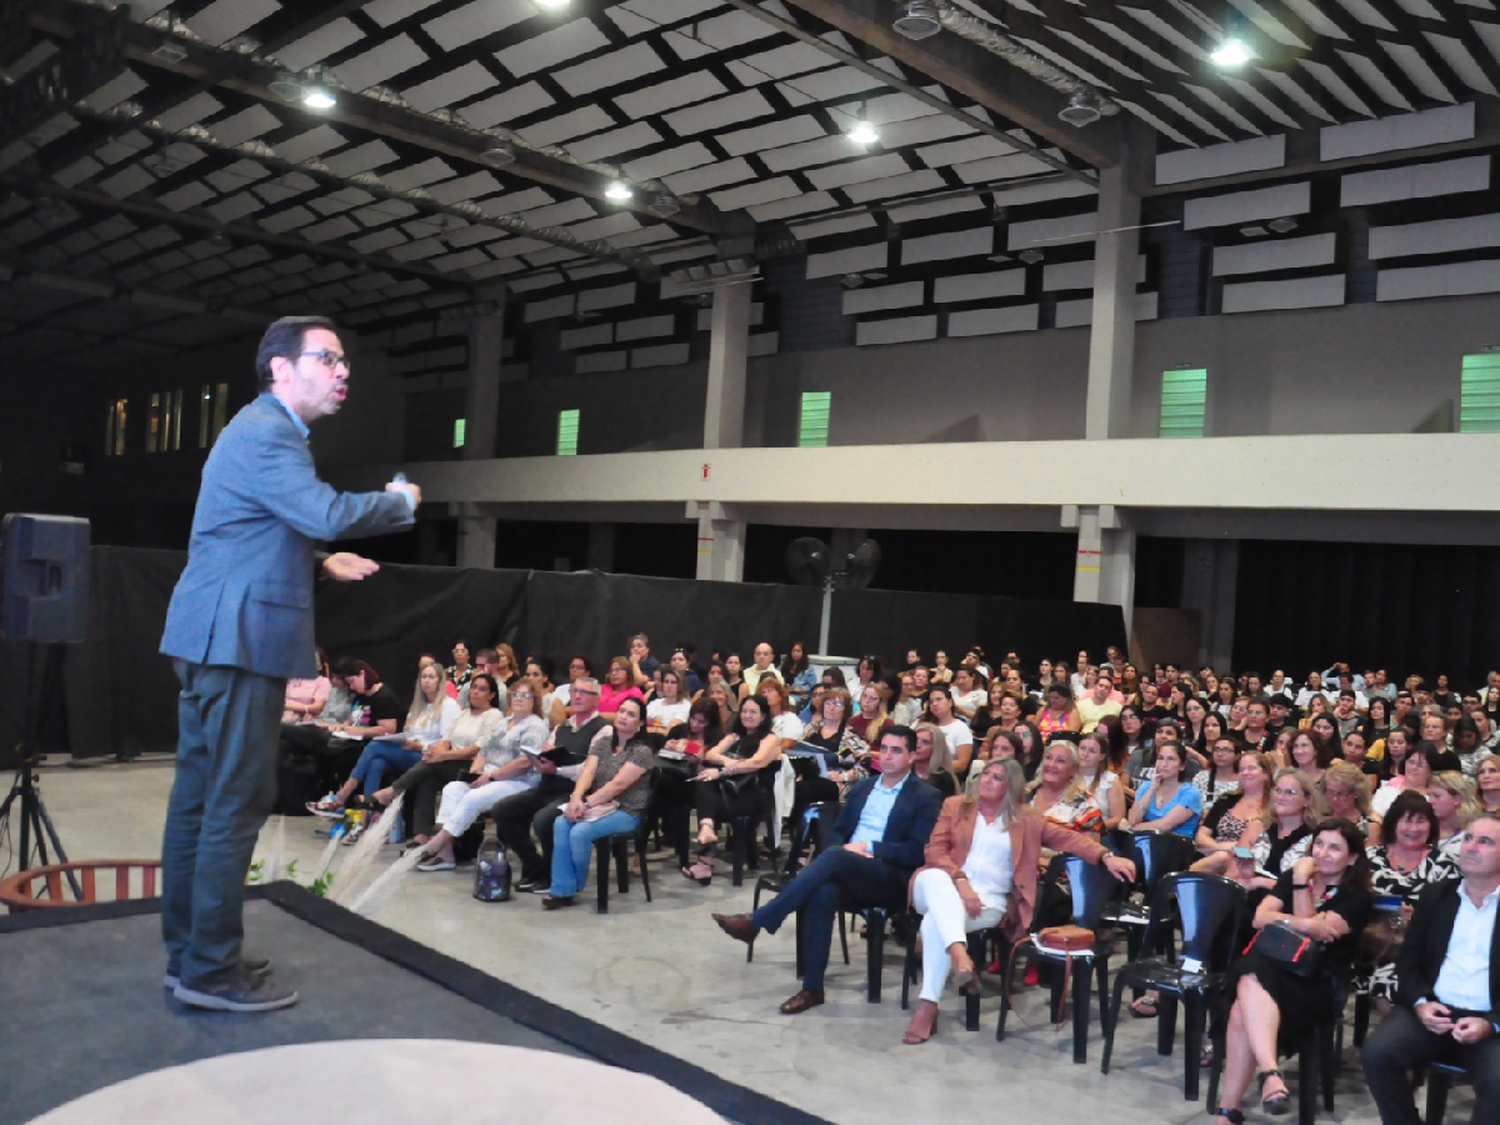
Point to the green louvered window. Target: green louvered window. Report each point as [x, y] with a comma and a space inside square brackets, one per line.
[459, 425]
[1184, 394]
[1479, 406]
[812, 430]
[567, 433]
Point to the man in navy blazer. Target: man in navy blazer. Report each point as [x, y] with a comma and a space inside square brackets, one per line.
[875, 846]
[239, 625]
[1448, 982]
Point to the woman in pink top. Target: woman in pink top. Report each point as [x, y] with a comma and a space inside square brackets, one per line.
[617, 687]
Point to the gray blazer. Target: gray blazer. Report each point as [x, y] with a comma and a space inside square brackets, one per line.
[245, 598]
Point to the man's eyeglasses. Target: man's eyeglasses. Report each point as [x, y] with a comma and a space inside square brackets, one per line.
[328, 358]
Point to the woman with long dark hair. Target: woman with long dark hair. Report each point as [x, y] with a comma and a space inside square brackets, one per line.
[740, 761]
[1324, 896]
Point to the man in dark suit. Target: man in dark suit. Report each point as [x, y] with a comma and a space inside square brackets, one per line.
[1448, 974]
[239, 625]
[875, 846]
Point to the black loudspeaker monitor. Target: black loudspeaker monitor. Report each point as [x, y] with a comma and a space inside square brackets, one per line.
[45, 596]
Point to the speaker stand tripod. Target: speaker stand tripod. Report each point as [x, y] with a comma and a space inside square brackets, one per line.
[36, 826]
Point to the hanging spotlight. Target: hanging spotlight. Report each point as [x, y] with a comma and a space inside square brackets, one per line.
[1231, 53]
[618, 190]
[552, 5]
[1082, 108]
[920, 20]
[500, 152]
[317, 97]
[862, 132]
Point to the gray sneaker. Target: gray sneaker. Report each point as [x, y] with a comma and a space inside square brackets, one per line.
[247, 994]
[250, 964]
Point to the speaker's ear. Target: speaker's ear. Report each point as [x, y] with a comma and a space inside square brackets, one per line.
[44, 590]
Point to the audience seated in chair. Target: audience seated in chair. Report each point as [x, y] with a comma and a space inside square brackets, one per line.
[875, 845]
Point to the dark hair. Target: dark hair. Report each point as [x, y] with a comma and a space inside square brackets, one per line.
[1409, 802]
[1358, 872]
[639, 706]
[284, 339]
[495, 690]
[588, 665]
[544, 663]
[353, 666]
[762, 728]
[709, 710]
[791, 668]
[836, 674]
[905, 733]
[1321, 748]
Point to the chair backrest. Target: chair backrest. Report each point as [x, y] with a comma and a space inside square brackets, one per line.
[1211, 909]
[1090, 885]
[1158, 854]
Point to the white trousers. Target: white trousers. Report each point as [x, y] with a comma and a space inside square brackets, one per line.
[462, 806]
[944, 921]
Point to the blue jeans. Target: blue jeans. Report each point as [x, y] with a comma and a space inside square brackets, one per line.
[573, 845]
[378, 757]
[228, 724]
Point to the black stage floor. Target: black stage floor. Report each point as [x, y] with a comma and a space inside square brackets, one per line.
[83, 1005]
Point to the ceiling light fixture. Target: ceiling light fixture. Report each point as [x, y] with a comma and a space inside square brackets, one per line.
[1231, 53]
[1082, 108]
[1030, 256]
[500, 152]
[920, 21]
[618, 190]
[288, 89]
[553, 5]
[317, 97]
[862, 132]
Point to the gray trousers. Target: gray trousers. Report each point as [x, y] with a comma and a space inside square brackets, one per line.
[229, 722]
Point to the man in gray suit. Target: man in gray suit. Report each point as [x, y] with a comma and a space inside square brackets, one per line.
[239, 625]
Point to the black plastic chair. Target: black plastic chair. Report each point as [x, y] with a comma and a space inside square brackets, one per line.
[877, 921]
[1091, 887]
[1156, 855]
[1440, 1077]
[618, 845]
[742, 837]
[1211, 909]
[811, 835]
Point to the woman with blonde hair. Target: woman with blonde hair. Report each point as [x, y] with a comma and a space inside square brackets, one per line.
[1452, 799]
[429, 720]
[932, 760]
[1058, 793]
[982, 865]
[1344, 792]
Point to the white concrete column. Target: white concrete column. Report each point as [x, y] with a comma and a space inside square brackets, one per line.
[1105, 567]
[1112, 338]
[1105, 570]
[721, 544]
[728, 346]
[721, 541]
[476, 531]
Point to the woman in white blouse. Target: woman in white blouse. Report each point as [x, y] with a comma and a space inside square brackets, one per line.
[501, 767]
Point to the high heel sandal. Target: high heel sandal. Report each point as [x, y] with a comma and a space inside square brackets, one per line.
[701, 880]
[1275, 1104]
[920, 1030]
[1233, 1116]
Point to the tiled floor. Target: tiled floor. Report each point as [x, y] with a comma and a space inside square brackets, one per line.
[664, 973]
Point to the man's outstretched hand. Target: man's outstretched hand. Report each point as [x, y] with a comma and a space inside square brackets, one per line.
[347, 567]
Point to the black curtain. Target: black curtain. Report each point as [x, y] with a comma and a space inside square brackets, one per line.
[121, 693]
[1406, 608]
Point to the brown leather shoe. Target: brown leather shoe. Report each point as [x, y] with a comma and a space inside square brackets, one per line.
[807, 998]
[737, 926]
